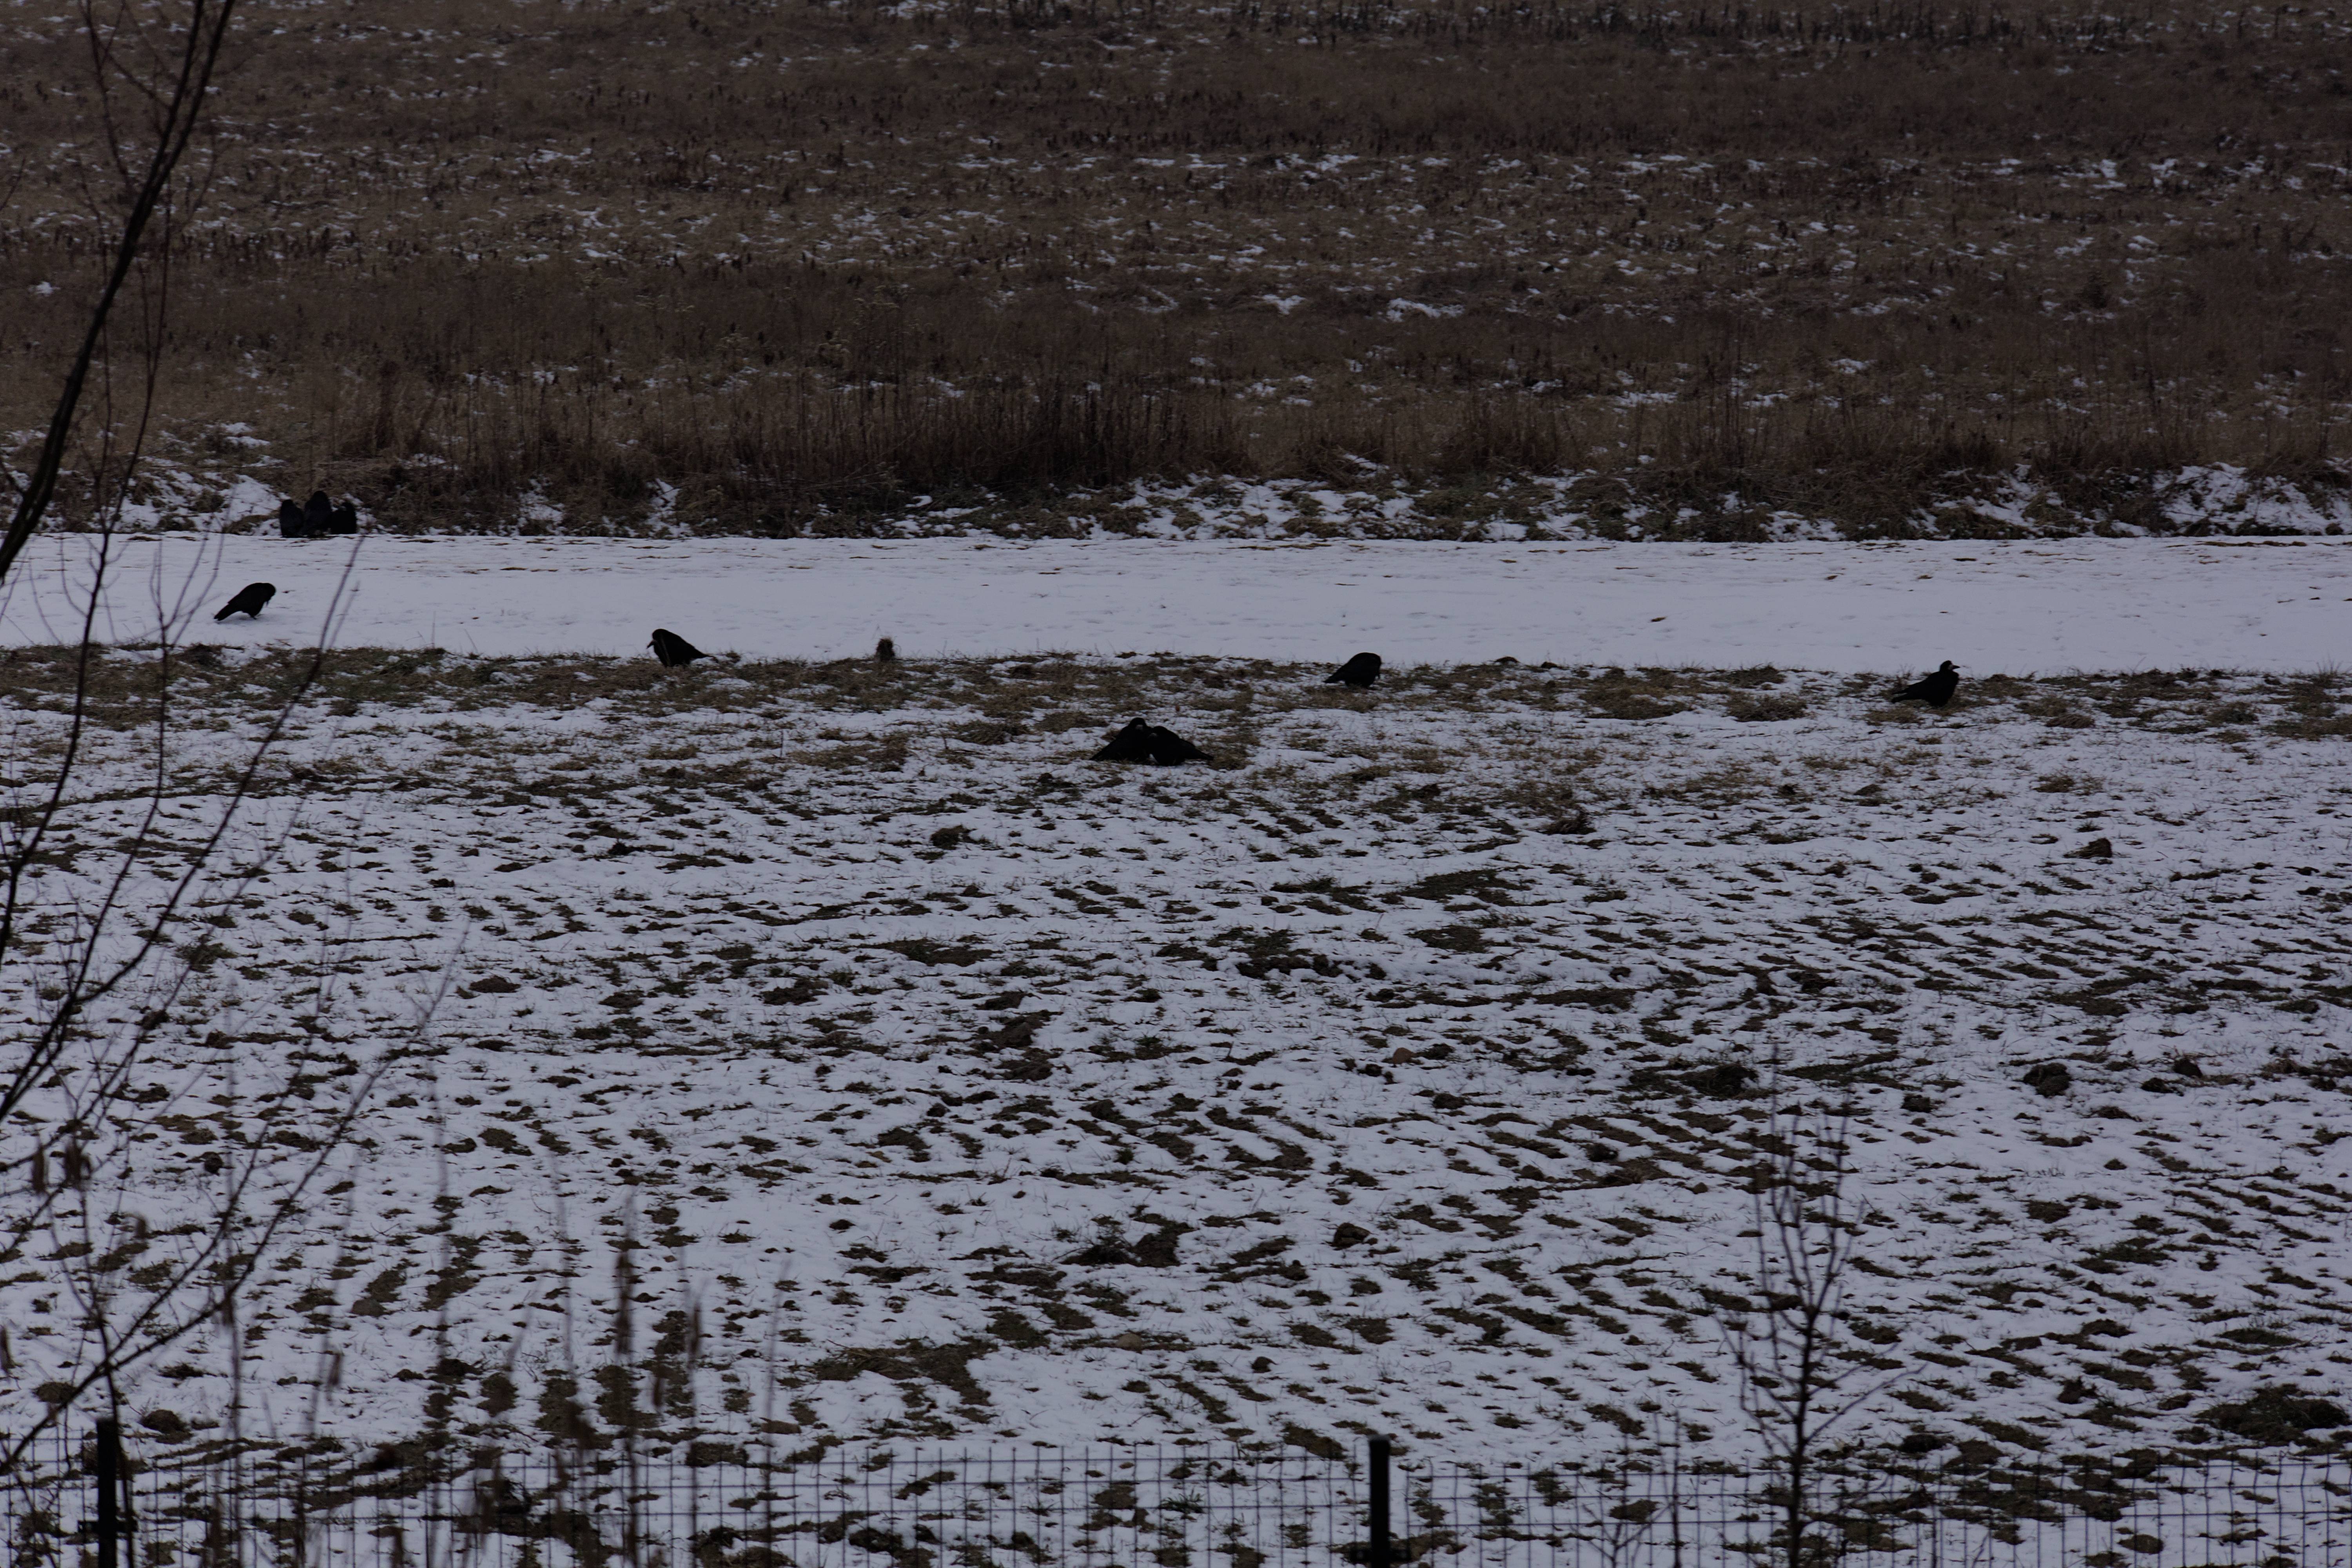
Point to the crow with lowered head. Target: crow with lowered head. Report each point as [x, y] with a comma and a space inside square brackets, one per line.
[673, 650]
[1131, 744]
[1169, 748]
[344, 519]
[1145, 742]
[249, 602]
[291, 523]
[1935, 689]
[1359, 672]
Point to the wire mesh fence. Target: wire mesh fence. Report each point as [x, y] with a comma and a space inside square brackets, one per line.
[717, 1504]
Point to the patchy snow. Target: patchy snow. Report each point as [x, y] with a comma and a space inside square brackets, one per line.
[183, 491]
[2056, 605]
[1403, 1073]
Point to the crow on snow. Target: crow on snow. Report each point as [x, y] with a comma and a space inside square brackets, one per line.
[250, 600]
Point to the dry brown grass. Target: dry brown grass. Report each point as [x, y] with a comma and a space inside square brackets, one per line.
[1842, 262]
[1055, 695]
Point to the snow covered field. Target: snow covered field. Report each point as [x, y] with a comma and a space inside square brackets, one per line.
[2042, 606]
[1405, 1072]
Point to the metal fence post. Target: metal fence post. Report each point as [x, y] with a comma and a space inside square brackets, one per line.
[107, 1463]
[1377, 1533]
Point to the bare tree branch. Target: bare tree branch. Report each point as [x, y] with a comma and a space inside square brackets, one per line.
[1795, 1381]
[179, 108]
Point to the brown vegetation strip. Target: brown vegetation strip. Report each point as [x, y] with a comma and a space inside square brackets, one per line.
[811, 263]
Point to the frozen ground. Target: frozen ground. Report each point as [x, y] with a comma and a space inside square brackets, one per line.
[2045, 606]
[937, 1081]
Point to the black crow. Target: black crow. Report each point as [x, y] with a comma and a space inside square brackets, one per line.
[1933, 690]
[319, 514]
[1169, 748]
[344, 519]
[885, 652]
[1143, 743]
[1132, 744]
[251, 600]
[2049, 1080]
[291, 523]
[673, 650]
[1359, 672]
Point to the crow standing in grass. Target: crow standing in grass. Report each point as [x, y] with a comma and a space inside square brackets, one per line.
[1169, 748]
[1143, 743]
[1935, 691]
[250, 600]
[885, 652]
[344, 519]
[673, 650]
[1359, 672]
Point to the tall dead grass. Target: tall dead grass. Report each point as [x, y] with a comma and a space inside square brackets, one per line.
[773, 268]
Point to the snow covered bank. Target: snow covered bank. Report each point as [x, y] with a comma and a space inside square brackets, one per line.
[1406, 1073]
[2043, 605]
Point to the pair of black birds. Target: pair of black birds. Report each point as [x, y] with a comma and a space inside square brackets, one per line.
[1141, 742]
[317, 518]
[1936, 690]
[677, 653]
[1147, 742]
